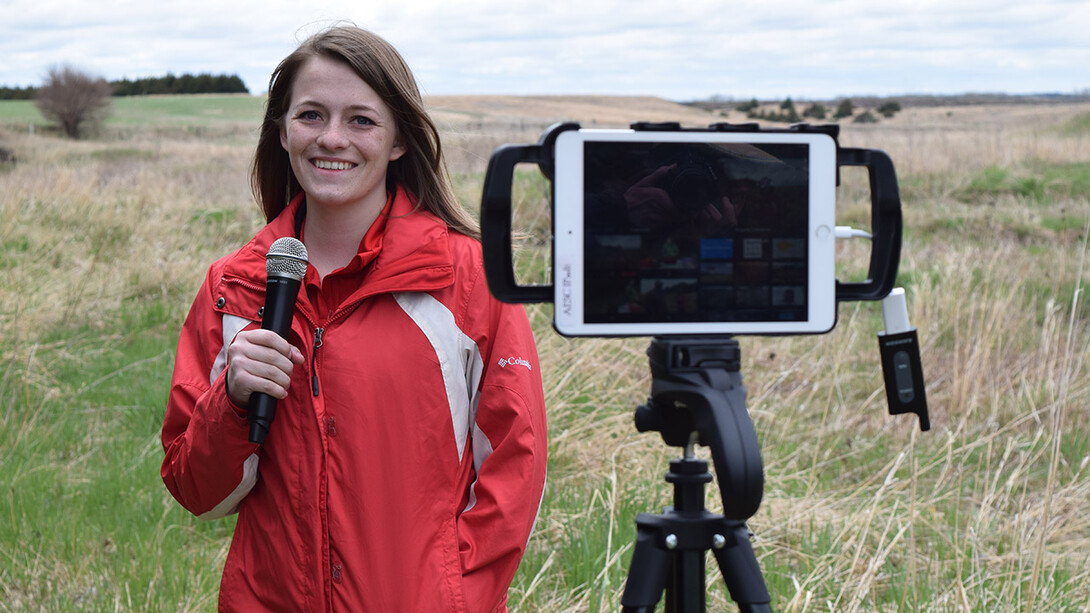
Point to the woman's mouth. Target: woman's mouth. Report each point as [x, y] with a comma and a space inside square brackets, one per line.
[331, 165]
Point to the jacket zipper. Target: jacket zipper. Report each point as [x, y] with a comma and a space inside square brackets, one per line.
[318, 332]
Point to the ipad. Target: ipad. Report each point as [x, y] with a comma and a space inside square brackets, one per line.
[686, 232]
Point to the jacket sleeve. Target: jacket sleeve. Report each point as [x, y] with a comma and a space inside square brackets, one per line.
[210, 465]
[509, 450]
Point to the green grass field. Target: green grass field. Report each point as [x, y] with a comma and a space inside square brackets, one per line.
[105, 241]
[199, 110]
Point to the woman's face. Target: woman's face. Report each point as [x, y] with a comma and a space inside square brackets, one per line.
[339, 136]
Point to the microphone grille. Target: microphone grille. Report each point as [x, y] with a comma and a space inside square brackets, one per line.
[287, 257]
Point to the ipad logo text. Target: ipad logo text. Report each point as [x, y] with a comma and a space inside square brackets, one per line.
[565, 289]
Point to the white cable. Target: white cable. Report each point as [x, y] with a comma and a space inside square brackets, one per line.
[850, 232]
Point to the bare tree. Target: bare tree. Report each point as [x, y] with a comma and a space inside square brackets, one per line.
[73, 98]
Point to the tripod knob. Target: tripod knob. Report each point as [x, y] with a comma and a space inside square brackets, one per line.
[675, 426]
[647, 418]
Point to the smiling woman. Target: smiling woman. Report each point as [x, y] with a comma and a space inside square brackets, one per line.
[380, 67]
[339, 136]
[406, 466]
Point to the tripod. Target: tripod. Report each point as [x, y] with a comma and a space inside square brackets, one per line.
[697, 396]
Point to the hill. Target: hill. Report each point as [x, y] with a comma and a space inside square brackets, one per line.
[454, 113]
[603, 111]
[473, 125]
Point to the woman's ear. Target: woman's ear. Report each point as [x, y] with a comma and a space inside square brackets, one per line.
[398, 150]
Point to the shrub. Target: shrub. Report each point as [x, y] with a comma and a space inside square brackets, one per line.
[889, 109]
[746, 107]
[73, 99]
[866, 117]
[844, 109]
[816, 111]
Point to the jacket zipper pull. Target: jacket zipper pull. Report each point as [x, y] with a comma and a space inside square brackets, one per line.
[314, 360]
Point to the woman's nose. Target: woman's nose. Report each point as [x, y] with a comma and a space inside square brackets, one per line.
[332, 137]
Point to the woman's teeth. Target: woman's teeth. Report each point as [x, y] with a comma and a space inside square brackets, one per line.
[327, 165]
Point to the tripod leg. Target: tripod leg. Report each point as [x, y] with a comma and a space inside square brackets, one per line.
[686, 592]
[647, 573]
[739, 567]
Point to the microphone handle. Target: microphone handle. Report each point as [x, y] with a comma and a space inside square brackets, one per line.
[280, 293]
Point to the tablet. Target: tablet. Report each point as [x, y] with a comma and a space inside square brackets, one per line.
[686, 232]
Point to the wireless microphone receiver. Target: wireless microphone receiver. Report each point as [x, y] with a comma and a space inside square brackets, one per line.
[285, 264]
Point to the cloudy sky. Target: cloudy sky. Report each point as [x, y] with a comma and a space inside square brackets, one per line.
[681, 50]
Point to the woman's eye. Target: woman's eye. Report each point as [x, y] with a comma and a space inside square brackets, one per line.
[361, 120]
[309, 115]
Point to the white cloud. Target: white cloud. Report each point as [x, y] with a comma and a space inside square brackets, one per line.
[743, 48]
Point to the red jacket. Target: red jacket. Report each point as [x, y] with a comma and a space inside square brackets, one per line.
[405, 469]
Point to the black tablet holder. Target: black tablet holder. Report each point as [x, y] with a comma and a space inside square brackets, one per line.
[697, 395]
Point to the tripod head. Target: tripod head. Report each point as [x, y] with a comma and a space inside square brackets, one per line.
[697, 396]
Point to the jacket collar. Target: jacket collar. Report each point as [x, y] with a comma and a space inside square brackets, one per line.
[415, 252]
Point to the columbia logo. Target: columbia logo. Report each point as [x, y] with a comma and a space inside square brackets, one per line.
[504, 362]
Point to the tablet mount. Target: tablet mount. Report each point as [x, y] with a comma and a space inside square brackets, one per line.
[697, 395]
[496, 208]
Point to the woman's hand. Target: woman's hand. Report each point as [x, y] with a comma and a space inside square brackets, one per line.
[260, 361]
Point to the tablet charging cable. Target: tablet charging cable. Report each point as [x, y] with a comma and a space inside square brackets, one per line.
[850, 232]
[899, 346]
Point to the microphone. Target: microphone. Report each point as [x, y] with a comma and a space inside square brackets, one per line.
[285, 265]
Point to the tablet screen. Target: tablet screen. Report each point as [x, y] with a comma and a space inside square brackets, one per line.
[691, 236]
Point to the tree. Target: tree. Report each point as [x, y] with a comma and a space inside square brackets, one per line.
[18, 93]
[844, 109]
[889, 109]
[746, 107]
[73, 98]
[865, 117]
[816, 110]
[789, 114]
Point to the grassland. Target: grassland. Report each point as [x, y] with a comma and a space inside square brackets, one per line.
[145, 111]
[103, 243]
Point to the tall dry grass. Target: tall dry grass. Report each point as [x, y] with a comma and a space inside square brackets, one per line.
[986, 512]
[90, 224]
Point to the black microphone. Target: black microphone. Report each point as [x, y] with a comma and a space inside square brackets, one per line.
[285, 264]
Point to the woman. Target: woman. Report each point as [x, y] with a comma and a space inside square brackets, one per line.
[406, 463]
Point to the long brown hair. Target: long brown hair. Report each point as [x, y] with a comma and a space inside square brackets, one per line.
[421, 170]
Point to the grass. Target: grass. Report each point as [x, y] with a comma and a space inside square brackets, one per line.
[83, 505]
[1037, 184]
[226, 117]
[143, 111]
[200, 110]
[105, 241]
